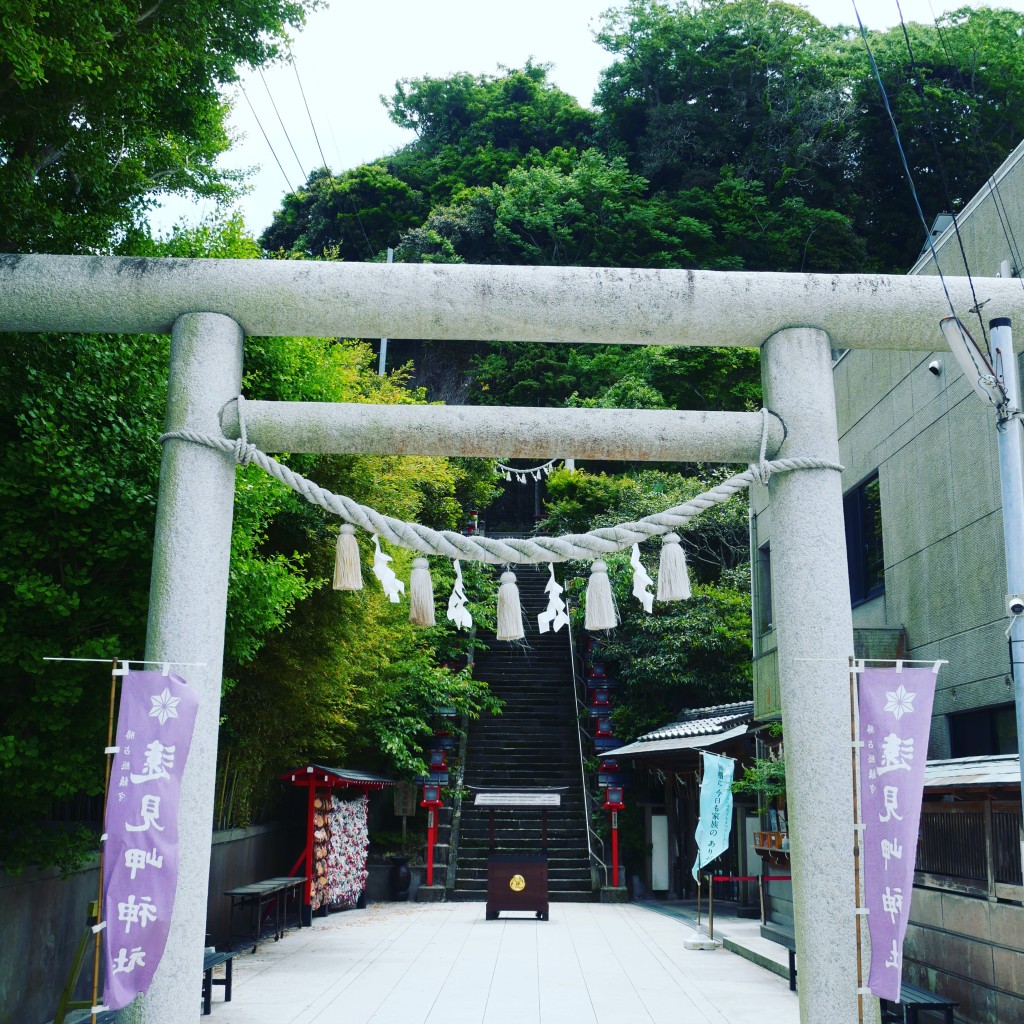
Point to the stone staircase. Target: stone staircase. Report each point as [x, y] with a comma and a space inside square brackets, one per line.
[532, 744]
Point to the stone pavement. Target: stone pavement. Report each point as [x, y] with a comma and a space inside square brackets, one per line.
[443, 963]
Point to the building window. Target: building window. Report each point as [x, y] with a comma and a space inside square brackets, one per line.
[984, 732]
[764, 589]
[862, 508]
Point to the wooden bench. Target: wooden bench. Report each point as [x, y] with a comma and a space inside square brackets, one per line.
[914, 1001]
[260, 899]
[210, 961]
[785, 938]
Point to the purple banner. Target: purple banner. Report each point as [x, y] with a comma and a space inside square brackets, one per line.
[895, 721]
[154, 732]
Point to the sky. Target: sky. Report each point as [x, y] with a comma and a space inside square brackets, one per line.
[350, 53]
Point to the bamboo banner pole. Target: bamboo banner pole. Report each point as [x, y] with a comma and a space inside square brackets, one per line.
[99, 898]
[857, 826]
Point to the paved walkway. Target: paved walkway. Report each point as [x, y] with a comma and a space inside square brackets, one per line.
[442, 963]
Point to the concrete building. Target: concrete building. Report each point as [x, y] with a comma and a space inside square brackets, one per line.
[927, 567]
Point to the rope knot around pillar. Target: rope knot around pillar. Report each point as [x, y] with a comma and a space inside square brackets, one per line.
[528, 550]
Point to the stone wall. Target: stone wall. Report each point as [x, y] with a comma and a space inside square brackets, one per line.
[968, 949]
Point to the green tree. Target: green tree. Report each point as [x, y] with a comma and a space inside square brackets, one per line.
[77, 507]
[686, 654]
[473, 130]
[351, 216]
[960, 109]
[746, 83]
[104, 106]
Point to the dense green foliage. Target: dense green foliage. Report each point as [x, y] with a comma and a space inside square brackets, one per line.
[350, 675]
[689, 654]
[103, 106]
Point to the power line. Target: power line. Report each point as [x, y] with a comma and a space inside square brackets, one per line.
[942, 171]
[295, 68]
[998, 202]
[265, 136]
[280, 121]
[903, 158]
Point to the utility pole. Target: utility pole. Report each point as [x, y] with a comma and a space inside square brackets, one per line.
[1011, 480]
[384, 341]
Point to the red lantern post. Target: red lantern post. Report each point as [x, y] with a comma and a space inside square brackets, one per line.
[433, 802]
[613, 802]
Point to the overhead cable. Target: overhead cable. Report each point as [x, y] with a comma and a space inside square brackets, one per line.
[916, 76]
[295, 68]
[280, 121]
[265, 136]
[903, 158]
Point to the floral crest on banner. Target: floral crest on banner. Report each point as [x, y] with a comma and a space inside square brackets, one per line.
[895, 707]
[154, 732]
[348, 841]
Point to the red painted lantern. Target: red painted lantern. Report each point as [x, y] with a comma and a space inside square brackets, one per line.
[601, 697]
[433, 802]
[614, 803]
[438, 760]
[613, 799]
[609, 772]
[604, 727]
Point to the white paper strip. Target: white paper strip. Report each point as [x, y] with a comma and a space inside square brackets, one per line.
[556, 615]
[390, 583]
[457, 611]
[641, 581]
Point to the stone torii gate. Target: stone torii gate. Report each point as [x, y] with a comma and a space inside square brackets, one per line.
[209, 306]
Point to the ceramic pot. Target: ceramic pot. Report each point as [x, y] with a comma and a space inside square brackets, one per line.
[399, 879]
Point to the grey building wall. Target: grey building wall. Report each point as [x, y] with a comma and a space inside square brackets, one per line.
[932, 443]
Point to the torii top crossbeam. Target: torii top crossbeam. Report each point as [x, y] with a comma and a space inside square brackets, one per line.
[91, 294]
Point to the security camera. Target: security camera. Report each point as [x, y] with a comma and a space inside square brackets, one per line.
[935, 367]
[1015, 604]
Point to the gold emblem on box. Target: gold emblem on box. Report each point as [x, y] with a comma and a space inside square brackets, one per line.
[517, 883]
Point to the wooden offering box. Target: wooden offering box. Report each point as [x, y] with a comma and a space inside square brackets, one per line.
[518, 881]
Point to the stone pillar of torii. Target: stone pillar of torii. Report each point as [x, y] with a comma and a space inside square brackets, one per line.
[209, 306]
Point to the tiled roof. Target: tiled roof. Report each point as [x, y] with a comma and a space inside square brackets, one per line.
[997, 770]
[702, 722]
[340, 776]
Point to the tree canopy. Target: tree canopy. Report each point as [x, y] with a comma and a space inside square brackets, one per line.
[105, 106]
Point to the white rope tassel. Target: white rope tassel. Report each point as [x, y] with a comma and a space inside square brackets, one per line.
[641, 581]
[457, 610]
[389, 582]
[510, 615]
[348, 574]
[421, 594]
[673, 580]
[600, 608]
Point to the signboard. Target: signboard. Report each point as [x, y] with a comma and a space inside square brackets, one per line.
[154, 733]
[514, 799]
[405, 797]
[895, 720]
[715, 822]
